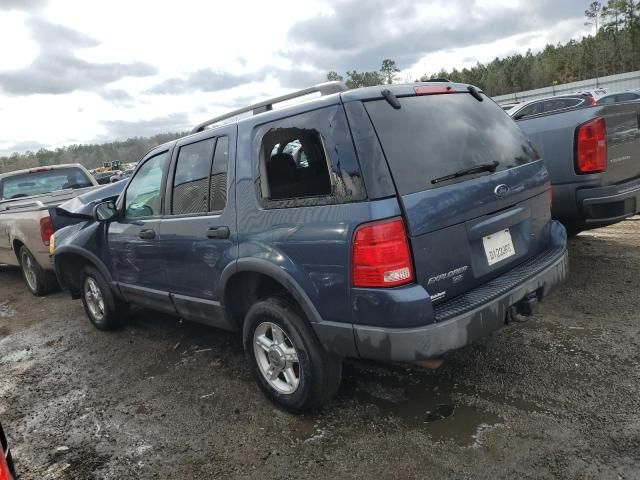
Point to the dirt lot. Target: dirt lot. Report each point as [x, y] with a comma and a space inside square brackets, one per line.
[556, 397]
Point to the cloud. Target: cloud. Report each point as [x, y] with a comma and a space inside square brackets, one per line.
[115, 95]
[360, 35]
[207, 80]
[204, 80]
[28, 145]
[121, 129]
[57, 70]
[22, 4]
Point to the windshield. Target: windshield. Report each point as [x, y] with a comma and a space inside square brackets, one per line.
[434, 136]
[42, 182]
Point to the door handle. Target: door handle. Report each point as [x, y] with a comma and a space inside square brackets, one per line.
[147, 234]
[218, 232]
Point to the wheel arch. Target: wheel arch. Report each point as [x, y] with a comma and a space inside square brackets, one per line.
[69, 261]
[250, 279]
[17, 245]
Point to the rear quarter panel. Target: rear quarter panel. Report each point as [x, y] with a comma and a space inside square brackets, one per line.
[310, 244]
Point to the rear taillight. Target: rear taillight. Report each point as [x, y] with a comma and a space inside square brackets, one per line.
[591, 147]
[46, 230]
[591, 101]
[5, 474]
[381, 255]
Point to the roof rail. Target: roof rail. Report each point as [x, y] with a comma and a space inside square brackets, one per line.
[326, 88]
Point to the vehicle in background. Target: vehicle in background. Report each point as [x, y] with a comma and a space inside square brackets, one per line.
[593, 157]
[546, 106]
[7, 469]
[595, 93]
[508, 106]
[121, 176]
[392, 223]
[112, 165]
[619, 97]
[28, 199]
[103, 177]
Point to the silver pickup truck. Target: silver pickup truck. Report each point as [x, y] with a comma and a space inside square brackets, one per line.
[28, 199]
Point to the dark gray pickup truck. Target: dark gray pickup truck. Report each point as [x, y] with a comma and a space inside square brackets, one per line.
[593, 157]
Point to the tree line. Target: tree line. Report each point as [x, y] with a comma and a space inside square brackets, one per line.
[91, 155]
[613, 48]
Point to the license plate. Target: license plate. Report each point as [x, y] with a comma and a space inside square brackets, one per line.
[498, 246]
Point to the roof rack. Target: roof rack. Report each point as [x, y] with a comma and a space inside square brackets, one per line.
[326, 88]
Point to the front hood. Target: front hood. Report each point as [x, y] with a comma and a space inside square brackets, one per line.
[82, 206]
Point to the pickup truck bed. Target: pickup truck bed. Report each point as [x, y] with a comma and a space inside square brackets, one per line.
[589, 200]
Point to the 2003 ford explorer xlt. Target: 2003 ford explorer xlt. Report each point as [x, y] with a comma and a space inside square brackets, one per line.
[391, 223]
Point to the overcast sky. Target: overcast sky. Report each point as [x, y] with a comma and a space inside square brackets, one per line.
[102, 70]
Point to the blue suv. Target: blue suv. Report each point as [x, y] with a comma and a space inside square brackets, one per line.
[392, 223]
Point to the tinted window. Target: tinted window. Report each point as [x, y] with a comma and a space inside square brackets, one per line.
[557, 104]
[437, 135]
[191, 181]
[533, 109]
[143, 197]
[296, 163]
[46, 181]
[607, 100]
[627, 97]
[218, 187]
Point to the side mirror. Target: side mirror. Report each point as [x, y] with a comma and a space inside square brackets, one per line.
[105, 211]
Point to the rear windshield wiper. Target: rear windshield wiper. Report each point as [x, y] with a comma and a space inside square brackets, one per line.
[485, 167]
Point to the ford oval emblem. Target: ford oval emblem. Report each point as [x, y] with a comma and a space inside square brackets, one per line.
[501, 190]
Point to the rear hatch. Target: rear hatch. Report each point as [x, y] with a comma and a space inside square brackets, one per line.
[464, 228]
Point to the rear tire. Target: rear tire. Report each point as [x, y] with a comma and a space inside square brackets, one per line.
[288, 362]
[105, 311]
[39, 281]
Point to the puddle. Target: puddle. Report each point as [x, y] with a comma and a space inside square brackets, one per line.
[423, 402]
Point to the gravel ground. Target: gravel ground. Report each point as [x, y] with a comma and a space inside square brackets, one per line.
[555, 397]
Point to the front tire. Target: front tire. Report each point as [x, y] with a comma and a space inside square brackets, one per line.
[39, 281]
[105, 311]
[288, 362]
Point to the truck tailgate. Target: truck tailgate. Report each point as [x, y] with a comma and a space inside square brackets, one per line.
[623, 142]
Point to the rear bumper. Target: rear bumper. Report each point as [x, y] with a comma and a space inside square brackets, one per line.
[412, 344]
[596, 206]
[607, 205]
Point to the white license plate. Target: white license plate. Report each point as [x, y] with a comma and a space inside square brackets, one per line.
[498, 246]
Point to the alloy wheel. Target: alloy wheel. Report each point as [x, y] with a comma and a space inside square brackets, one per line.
[277, 358]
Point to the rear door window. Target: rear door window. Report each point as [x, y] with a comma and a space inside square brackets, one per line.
[191, 180]
[433, 136]
[611, 99]
[218, 186]
[529, 110]
[558, 104]
[627, 97]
